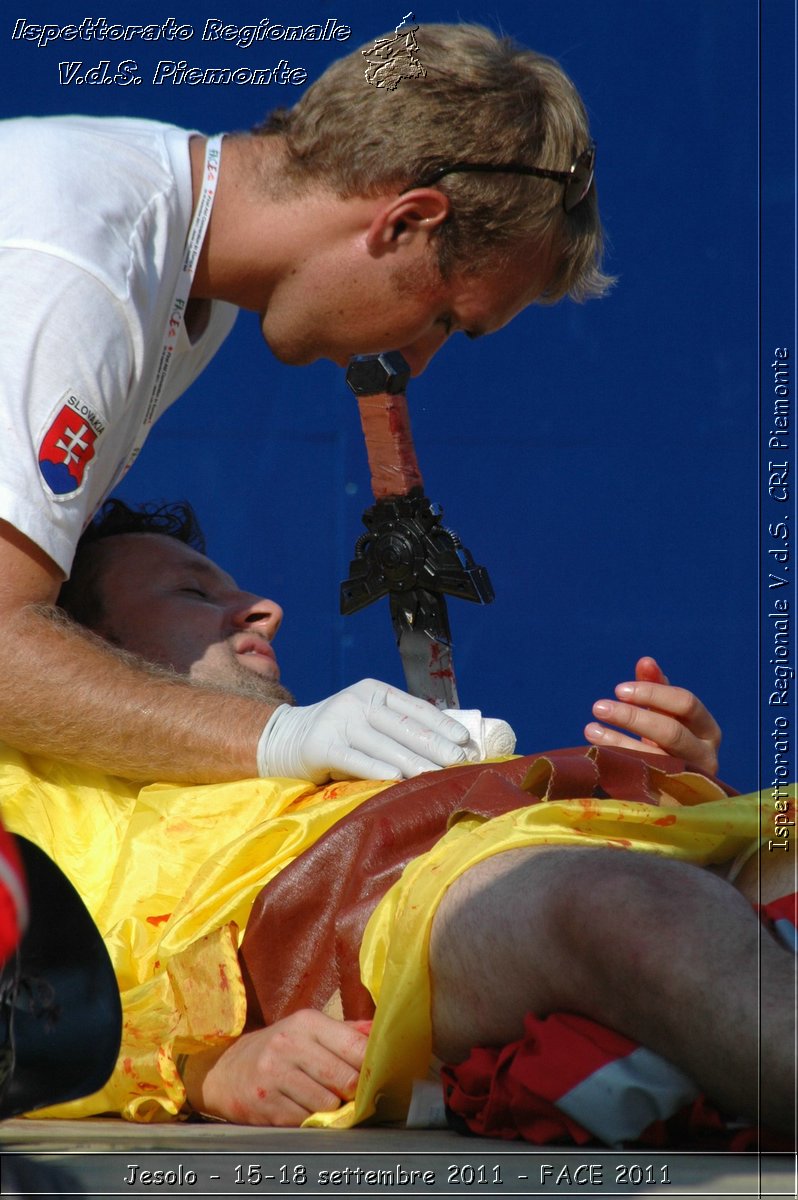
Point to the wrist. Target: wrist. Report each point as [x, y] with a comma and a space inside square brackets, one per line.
[194, 1070]
[269, 758]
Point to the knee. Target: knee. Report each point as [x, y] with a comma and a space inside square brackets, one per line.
[626, 919]
[613, 892]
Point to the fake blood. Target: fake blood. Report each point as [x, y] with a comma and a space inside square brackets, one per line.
[389, 444]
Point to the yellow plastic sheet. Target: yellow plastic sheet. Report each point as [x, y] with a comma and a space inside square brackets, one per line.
[170, 873]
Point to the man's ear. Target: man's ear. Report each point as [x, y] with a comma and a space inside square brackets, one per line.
[417, 213]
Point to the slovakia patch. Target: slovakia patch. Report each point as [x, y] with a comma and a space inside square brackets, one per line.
[68, 446]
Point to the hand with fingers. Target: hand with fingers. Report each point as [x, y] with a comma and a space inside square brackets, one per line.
[665, 719]
[368, 731]
[303, 1064]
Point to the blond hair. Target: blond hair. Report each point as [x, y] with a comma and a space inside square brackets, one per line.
[483, 98]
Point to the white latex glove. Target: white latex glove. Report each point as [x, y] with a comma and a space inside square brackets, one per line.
[489, 737]
[368, 731]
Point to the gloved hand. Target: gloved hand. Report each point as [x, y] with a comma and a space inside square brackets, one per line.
[368, 731]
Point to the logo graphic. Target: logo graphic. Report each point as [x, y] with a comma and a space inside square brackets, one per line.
[67, 447]
[390, 60]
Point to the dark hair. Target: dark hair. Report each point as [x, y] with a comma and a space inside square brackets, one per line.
[80, 594]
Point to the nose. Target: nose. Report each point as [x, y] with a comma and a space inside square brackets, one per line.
[258, 613]
[420, 353]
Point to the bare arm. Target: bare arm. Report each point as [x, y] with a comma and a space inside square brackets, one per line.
[66, 694]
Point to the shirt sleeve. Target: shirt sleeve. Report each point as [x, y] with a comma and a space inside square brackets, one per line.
[66, 362]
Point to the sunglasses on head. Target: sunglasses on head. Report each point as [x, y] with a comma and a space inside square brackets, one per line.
[577, 179]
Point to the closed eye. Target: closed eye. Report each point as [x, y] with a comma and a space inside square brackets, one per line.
[195, 591]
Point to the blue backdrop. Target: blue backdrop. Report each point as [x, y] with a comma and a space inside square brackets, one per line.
[600, 460]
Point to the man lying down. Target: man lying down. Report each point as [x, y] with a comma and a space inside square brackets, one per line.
[554, 910]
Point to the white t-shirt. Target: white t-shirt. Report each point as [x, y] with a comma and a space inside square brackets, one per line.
[93, 221]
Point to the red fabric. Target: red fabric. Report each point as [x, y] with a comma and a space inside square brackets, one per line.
[783, 909]
[511, 1091]
[12, 920]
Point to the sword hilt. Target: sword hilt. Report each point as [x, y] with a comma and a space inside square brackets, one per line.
[406, 553]
[379, 382]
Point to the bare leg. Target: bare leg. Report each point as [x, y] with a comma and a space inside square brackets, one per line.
[660, 951]
[768, 875]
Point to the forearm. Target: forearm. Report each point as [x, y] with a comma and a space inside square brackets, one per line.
[66, 694]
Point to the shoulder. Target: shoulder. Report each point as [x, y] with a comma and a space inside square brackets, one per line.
[112, 156]
[93, 191]
[42, 138]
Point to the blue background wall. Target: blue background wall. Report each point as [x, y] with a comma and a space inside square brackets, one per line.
[600, 460]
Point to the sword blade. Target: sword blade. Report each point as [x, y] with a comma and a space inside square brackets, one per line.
[428, 668]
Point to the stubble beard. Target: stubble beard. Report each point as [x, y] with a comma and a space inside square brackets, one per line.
[244, 682]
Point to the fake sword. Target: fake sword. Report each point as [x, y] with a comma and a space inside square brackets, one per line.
[406, 553]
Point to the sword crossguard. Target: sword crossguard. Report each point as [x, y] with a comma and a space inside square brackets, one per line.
[409, 555]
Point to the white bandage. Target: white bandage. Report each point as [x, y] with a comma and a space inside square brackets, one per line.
[489, 737]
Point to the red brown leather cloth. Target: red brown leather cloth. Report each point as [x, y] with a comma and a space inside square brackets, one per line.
[303, 936]
[571, 1080]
